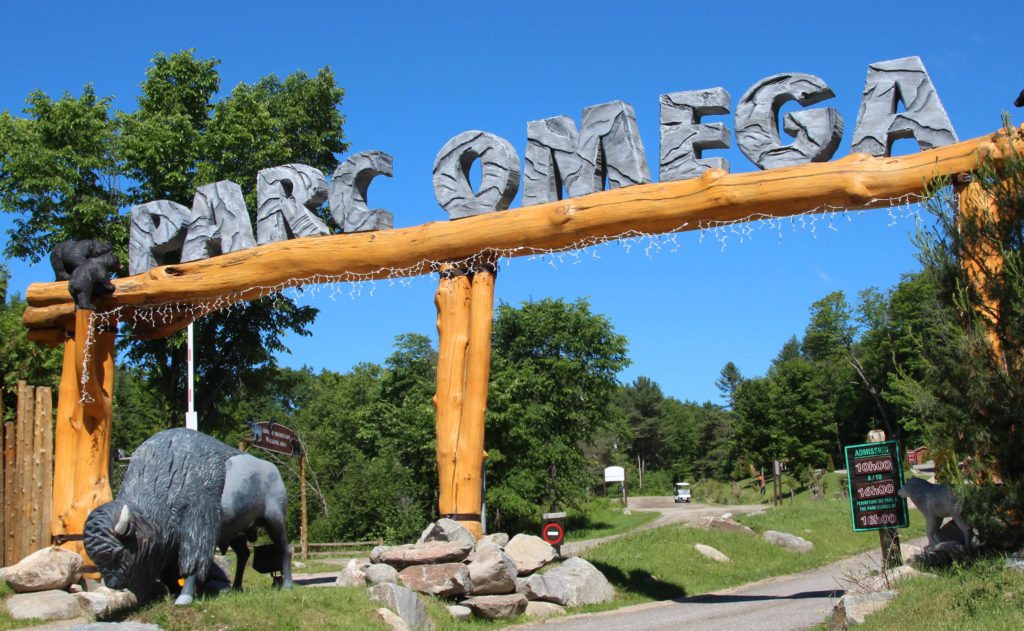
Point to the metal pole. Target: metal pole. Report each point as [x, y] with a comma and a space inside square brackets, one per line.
[191, 419]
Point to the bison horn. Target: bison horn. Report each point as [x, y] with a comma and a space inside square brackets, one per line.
[123, 521]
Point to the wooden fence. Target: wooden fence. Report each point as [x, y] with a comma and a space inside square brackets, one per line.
[26, 486]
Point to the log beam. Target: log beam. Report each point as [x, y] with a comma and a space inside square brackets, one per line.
[854, 182]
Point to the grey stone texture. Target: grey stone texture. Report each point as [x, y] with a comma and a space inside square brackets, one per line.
[937, 502]
[46, 569]
[449, 531]
[105, 601]
[711, 553]
[404, 602]
[788, 541]
[440, 579]
[349, 188]
[878, 121]
[47, 605]
[157, 229]
[220, 223]
[853, 608]
[684, 137]
[499, 174]
[816, 133]
[495, 607]
[392, 619]
[460, 613]
[529, 553]
[575, 582]
[499, 538]
[557, 156]
[286, 198]
[423, 553]
[492, 571]
[352, 575]
[541, 609]
[377, 573]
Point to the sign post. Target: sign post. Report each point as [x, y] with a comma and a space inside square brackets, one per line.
[553, 530]
[282, 440]
[874, 476]
[617, 474]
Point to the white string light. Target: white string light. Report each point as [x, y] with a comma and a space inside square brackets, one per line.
[165, 314]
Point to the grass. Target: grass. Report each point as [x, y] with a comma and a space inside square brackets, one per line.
[661, 563]
[984, 595]
[601, 518]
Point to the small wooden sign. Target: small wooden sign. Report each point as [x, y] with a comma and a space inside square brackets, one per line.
[276, 438]
[874, 476]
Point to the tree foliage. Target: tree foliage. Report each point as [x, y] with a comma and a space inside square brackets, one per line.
[20, 359]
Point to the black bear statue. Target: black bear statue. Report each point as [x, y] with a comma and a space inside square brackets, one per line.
[87, 266]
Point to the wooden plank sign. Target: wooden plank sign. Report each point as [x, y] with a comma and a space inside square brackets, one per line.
[276, 438]
[874, 476]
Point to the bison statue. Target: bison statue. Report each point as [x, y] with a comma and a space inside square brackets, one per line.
[184, 495]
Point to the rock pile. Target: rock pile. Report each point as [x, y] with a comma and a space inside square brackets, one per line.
[46, 588]
[491, 578]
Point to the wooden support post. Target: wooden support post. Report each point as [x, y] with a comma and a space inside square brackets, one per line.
[44, 450]
[23, 477]
[465, 312]
[10, 523]
[987, 262]
[82, 439]
[3, 488]
[304, 526]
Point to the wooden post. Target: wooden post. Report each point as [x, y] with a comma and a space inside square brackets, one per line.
[44, 449]
[985, 263]
[3, 488]
[82, 439]
[23, 476]
[10, 523]
[304, 526]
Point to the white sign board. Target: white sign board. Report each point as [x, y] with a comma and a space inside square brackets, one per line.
[614, 474]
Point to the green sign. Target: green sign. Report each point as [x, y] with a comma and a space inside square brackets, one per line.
[874, 473]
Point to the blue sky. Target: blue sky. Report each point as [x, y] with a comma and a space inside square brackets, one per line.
[416, 74]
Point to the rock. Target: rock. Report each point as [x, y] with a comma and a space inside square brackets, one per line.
[853, 608]
[404, 602]
[448, 531]
[494, 607]
[721, 523]
[1015, 563]
[499, 538]
[710, 553]
[626, 511]
[908, 550]
[378, 573]
[443, 579]
[298, 565]
[377, 552]
[575, 582]
[883, 582]
[48, 605]
[392, 619]
[522, 584]
[726, 516]
[758, 513]
[424, 553]
[351, 576]
[540, 609]
[492, 571]
[47, 569]
[106, 601]
[788, 541]
[460, 613]
[115, 626]
[529, 553]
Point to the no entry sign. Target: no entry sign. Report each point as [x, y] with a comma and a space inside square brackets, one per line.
[875, 476]
[553, 533]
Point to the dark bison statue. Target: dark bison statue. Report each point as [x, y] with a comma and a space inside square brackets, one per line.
[184, 495]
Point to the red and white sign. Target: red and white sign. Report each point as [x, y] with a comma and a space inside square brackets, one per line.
[553, 533]
[276, 438]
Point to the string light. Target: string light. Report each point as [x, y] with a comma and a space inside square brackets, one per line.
[160, 315]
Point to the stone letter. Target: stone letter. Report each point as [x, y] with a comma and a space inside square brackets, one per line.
[878, 121]
[499, 174]
[220, 222]
[157, 229]
[286, 197]
[349, 185]
[608, 145]
[817, 132]
[683, 137]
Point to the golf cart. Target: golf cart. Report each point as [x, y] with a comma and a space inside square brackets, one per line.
[682, 492]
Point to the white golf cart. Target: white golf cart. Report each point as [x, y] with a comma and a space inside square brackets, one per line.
[682, 492]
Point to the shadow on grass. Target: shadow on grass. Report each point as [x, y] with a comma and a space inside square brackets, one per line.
[641, 582]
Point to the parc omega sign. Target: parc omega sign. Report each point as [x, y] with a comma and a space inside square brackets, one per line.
[559, 157]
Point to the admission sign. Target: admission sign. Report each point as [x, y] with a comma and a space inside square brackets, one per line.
[875, 476]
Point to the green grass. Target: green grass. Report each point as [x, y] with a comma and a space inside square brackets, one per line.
[983, 595]
[661, 563]
[603, 517]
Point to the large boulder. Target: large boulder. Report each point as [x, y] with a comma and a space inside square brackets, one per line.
[105, 601]
[392, 619]
[492, 571]
[449, 531]
[443, 579]
[710, 553]
[351, 576]
[404, 602]
[377, 573]
[46, 569]
[853, 608]
[499, 538]
[575, 582]
[541, 609]
[529, 553]
[788, 541]
[48, 605]
[424, 553]
[494, 607]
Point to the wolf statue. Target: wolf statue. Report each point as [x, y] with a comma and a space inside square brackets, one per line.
[936, 502]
